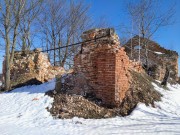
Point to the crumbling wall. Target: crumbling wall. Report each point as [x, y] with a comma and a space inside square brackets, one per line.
[105, 66]
[159, 58]
[162, 62]
[104, 75]
[32, 67]
[1, 78]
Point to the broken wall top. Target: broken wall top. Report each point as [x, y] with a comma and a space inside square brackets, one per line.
[27, 53]
[107, 35]
[152, 46]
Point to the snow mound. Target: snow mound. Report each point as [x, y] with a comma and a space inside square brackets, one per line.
[23, 112]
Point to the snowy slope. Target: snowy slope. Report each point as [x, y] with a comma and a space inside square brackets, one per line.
[22, 112]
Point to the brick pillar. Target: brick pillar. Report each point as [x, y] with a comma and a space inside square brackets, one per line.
[105, 65]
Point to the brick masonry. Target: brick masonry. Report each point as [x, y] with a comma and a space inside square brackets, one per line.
[105, 66]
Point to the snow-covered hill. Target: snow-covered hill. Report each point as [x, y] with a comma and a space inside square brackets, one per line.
[22, 112]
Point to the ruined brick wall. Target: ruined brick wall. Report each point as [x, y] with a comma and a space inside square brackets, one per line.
[32, 67]
[105, 66]
[122, 74]
[159, 58]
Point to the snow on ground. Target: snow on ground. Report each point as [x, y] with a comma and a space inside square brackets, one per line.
[22, 112]
[159, 53]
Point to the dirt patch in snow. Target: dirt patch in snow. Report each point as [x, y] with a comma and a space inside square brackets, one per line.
[141, 91]
[69, 106]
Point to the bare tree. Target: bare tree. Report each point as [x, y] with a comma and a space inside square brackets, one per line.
[27, 26]
[11, 14]
[102, 22]
[62, 23]
[148, 18]
[52, 22]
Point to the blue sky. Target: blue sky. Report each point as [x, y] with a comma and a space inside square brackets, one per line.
[115, 13]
